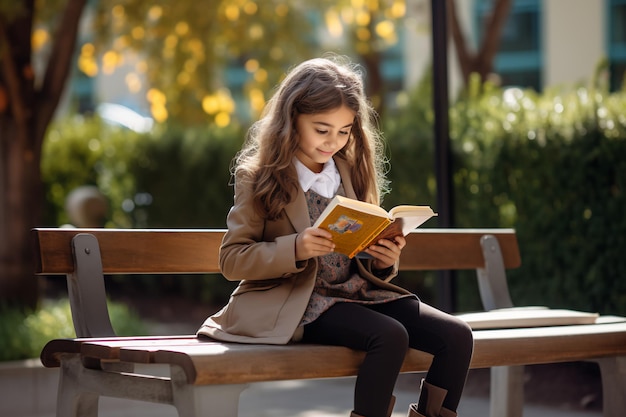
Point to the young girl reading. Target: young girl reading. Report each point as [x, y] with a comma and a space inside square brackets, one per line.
[317, 138]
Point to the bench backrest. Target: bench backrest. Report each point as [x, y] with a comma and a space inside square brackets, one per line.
[85, 255]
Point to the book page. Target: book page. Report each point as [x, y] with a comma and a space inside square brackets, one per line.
[411, 219]
[361, 206]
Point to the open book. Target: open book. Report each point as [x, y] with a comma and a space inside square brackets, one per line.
[355, 225]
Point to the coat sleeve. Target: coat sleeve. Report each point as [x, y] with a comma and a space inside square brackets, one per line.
[246, 252]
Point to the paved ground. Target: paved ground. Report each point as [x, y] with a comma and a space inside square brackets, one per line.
[318, 398]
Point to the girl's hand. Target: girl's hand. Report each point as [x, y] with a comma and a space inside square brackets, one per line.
[386, 252]
[313, 242]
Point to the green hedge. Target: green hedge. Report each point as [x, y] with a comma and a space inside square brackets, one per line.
[564, 173]
[83, 151]
[185, 173]
[23, 335]
[550, 165]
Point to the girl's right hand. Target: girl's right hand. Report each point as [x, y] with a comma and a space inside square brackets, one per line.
[312, 242]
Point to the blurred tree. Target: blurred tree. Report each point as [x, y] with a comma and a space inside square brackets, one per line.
[481, 61]
[367, 29]
[195, 55]
[27, 104]
[201, 58]
[370, 28]
[186, 44]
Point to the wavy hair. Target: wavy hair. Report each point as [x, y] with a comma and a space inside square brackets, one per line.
[314, 86]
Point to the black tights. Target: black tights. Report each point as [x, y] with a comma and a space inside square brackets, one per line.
[385, 332]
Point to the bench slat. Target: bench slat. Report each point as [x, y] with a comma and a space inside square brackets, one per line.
[49, 354]
[492, 348]
[166, 251]
[207, 362]
[455, 249]
[509, 347]
[136, 351]
[134, 251]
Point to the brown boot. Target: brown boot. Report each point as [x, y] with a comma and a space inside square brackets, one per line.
[389, 411]
[432, 397]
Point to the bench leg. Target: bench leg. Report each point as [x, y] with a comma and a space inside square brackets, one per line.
[507, 391]
[613, 371]
[205, 400]
[80, 388]
[72, 399]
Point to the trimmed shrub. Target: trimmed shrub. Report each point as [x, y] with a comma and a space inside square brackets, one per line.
[23, 335]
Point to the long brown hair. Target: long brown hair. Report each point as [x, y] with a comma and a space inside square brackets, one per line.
[314, 86]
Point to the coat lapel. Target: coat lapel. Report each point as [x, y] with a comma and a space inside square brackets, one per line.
[346, 180]
[298, 212]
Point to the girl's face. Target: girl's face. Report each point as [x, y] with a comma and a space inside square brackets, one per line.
[322, 135]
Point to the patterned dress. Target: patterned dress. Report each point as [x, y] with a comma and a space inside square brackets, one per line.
[337, 277]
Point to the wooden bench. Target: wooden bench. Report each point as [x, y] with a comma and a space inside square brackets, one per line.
[205, 377]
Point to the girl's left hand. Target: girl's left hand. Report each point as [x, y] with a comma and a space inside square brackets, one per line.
[386, 252]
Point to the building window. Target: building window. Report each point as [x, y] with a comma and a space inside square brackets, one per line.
[518, 61]
[617, 42]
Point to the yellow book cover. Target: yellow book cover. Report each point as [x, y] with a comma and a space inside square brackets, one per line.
[355, 225]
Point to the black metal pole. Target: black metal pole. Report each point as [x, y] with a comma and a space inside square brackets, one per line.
[445, 205]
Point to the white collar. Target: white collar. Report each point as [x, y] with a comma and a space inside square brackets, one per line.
[326, 183]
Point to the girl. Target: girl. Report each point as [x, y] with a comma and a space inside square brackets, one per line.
[316, 138]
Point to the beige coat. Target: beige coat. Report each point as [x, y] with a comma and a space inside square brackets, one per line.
[274, 291]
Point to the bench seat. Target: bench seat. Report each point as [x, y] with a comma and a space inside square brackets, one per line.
[207, 362]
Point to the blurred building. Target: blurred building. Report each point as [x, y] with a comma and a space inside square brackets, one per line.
[545, 43]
